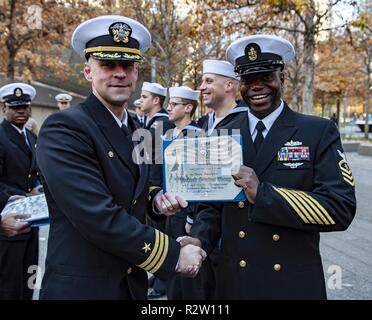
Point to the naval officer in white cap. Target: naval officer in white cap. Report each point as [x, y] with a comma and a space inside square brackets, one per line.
[296, 180]
[63, 101]
[99, 245]
[18, 178]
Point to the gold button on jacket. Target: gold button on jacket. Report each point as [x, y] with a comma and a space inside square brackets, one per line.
[276, 237]
[241, 234]
[241, 204]
[277, 267]
[242, 263]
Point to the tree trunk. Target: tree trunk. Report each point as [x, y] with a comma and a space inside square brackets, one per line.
[323, 106]
[368, 95]
[338, 107]
[309, 64]
[10, 44]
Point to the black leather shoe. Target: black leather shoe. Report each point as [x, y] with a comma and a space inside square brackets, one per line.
[152, 294]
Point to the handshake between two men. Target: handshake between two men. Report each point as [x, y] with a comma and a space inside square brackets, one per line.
[191, 254]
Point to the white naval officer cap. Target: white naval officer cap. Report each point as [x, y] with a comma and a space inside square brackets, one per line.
[111, 38]
[17, 94]
[63, 97]
[259, 53]
[155, 88]
[184, 92]
[219, 67]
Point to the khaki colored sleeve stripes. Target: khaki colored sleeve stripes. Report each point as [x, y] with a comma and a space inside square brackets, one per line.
[307, 208]
[158, 253]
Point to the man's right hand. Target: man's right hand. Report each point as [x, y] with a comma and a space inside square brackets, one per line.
[10, 226]
[190, 260]
[183, 241]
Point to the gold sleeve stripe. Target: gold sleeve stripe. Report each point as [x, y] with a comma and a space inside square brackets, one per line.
[347, 176]
[158, 255]
[314, 209]
[350, 177]
[165, 253]
[321, 208]
[153, 252]
[293, 205]
[349, 182]
[345, 170]
[306, 204]
[299, 204]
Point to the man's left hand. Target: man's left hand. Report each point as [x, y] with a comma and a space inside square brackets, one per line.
[168, 204]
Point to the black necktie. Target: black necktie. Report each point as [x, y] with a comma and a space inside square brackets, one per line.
[260, 127]
[23, 134]
[125, 129]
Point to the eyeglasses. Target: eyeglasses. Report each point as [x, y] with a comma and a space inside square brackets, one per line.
[174, 104]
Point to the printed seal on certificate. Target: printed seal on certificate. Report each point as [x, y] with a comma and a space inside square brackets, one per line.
[199, 169]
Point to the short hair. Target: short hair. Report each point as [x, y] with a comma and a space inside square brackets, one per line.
[193, 103]
[161, 98]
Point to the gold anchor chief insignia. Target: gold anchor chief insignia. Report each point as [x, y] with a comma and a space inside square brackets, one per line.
[252, 54]
[18, 92]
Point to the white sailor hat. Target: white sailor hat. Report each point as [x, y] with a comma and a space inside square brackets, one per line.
[183, 92]
[137, 103]
[219, 67]
[259, 53]
[17, 94]
[111, 38]
[155, 88]
[63, 97]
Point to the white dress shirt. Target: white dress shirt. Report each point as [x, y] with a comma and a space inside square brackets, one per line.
[268, 121]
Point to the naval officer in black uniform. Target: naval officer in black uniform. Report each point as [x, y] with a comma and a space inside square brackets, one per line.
[97, 192]
[18, 177]
[297, 182]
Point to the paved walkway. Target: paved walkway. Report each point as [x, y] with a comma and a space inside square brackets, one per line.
[351, 250]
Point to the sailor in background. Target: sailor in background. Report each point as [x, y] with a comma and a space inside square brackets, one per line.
[63, 101]
[182, 105]
[139, 117]
[18, 177]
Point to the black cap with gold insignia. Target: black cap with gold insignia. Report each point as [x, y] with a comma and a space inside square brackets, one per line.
[17, 94]
[111, 38]
[259, 54]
